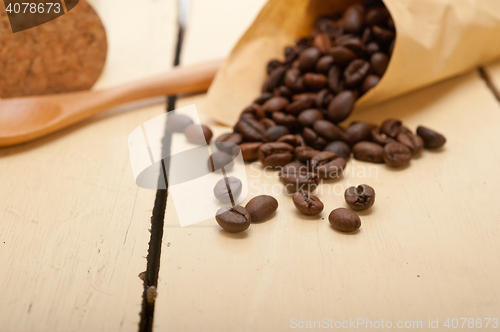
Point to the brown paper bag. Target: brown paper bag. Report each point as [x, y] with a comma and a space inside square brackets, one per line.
[435, 39]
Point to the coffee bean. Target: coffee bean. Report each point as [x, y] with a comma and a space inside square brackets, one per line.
[261, 207]
[198, 134]
[341, 106]
[379, 62]
[276, 154]
[382, 35]
[314, 81]
[308, 59]
[273, 64]
[177, 122]
[324, 64]
[323, 99]
[344, 220]
[360, 198]
[222, 193]
[391, 127]
[322, 42]
[293, 80]
[328, 165]
[274, 79]
[396, 154]
[313, 139]
[308, 117]
[354, 18]
[275, 104]
[340, 148]
[368, 151]
[380, 138]
[372, 47]
[305, 153]
[251, 129]
[369, 83]
[307, 203]
[296, 166]
[356, 72]
[299, 105]
[272, 134]
[265, 96]
[218, 160]
[360, 131]
[283, 119]
[327, 130]
[283, 91]
[296, 177]
[334, 79]
[250, 151]
[289, 139]
[376, 16]
[233, 219]
[342, 55]
[226, 142]
[267, 123]
[432, 139]
[353, 43]
[413, 142]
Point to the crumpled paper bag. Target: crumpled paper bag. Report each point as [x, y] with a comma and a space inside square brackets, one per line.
[435, 40]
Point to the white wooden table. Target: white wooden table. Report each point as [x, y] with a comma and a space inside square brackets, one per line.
[74, 226]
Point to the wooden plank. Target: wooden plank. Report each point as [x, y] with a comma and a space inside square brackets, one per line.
[427, 249]
[73, 224]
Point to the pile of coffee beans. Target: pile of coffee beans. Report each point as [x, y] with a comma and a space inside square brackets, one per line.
[296, 124]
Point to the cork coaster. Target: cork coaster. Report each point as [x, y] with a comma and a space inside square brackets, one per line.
[66, 54]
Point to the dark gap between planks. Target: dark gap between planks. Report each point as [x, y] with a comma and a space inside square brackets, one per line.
[158, 218]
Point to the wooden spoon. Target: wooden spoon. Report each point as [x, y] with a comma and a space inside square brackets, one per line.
[27, 118]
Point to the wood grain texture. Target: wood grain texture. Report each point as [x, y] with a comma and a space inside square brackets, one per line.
[427, 249]
[73, 224]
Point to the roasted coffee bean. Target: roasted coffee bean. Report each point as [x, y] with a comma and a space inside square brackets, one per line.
[297, 178]
[272, 134]
[367, 36]
[283, 91]
[369, 83]
[323, 98]
[342, 55]
[344, 220]
[300, 105]
[250, 151]
[198, 134]
[233, 219]
[327, 130]
[379, 62]
[359, 131]
[246, 116]
[226, 142]
[273, 64]
[177, 122]
[267, 123]
[328, 165]
[293, 80]
[308, 59]
[368, 151]
[220, 159]
[324, 64]
[306, 95]
[263, 98]
[283, 119]
[340, 148]
[261, 207]
[360, 198]
[376, 16]
[305, 153]
[382, 35]
[313, 139]
[296, 166]
[300, 140]
[380, 138]
[308, 117]
[396, 154]
[276, 154]
[354, 18]
[413, 142]
[322, 42]
[314, 81]
[356, 72]
[256, 110]
[224, 195]
[251, 129]
[275, 104]
[307, 203]
[391, 127]
[341, 106]
[334, 79]
[372, 48]
[289, 139]
[274, 79]
[432, 139]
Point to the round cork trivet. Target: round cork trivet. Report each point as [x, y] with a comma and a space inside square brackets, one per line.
[63, 55]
